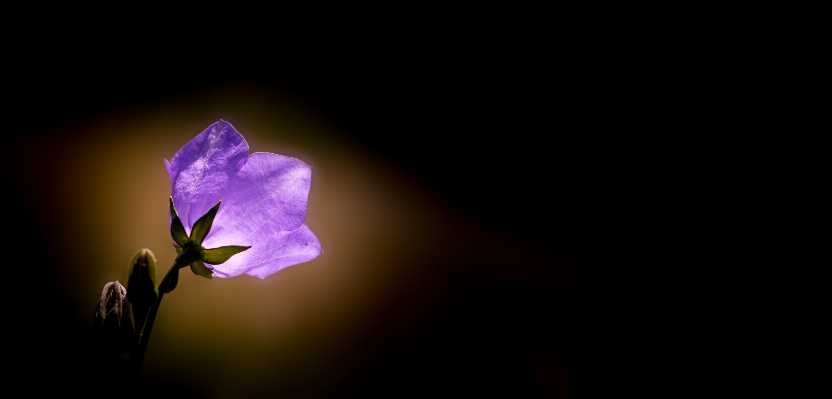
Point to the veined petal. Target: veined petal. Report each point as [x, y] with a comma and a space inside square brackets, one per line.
[268, 194]
[271, 253]
[201, 170]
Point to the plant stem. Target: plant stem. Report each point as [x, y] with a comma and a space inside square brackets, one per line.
[134, 363]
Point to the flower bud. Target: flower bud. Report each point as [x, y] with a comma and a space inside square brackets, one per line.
[141, 285]
[112, 322]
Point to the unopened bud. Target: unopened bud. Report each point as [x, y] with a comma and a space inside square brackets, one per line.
[112, 322]
[141, 285]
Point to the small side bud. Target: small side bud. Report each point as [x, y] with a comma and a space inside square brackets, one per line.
[171, 285]
[141, 285]
[112, 322]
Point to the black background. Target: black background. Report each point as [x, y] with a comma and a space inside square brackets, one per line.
[558, 116]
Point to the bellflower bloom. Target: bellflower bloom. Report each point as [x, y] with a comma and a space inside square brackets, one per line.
[263, 202]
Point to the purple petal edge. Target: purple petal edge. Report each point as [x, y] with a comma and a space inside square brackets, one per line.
[201, 169]
[268, 258]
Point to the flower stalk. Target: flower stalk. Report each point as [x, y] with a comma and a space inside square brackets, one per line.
[168, 283]
[134, 363]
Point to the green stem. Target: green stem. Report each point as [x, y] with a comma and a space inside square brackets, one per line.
[134, 363]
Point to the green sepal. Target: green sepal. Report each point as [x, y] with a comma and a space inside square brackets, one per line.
[191, 252]
[199, 269]
[203, 226]
[189, 249]
[177, 230]
[217, 256]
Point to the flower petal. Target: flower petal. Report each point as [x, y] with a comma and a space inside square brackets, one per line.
[200, 171]
[278, 250]
[268, 194]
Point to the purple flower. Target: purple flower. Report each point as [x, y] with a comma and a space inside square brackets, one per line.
[263, 203]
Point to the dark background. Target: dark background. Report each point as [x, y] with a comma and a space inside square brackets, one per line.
[533, 138]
